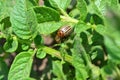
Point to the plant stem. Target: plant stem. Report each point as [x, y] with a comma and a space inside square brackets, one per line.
[64, 13]
[66, 17]
[69, 19]
[55, 53]
[35, 50]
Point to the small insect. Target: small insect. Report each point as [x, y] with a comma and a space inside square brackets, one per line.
[63, 32]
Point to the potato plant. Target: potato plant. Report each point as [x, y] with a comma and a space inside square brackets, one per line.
[34, 47]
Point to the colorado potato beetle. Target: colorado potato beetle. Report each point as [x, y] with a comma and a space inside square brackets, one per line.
[63, 32]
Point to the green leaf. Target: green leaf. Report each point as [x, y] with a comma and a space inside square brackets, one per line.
[3, 70]
[112, 20]
[78, 62]
[94, 55]
[97, 53]
[112, 26]
[25, 46]
[81, 27]
[29, 78]
[41, 54]
[113, 50]
[48, 20]
[11, 45]
[109, 71]
[46, 14]
[75, 13]
[100, 29]
[95, 72]
[97, 39]
[60, 4]
[21, 66]
[47, 3]
[6, 7]
[49, 27]
[1, 50]
[57, 70]
[1, 77]
[103, 4]
[38, 41]
[23, 21]
[99, 7]
[31, 3]
[82, 7]
[93, 9]
[5, 28]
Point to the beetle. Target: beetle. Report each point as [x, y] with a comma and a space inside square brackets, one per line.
[63, 32]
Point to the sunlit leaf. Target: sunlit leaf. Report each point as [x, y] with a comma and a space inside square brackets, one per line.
[78, 62]
[63, 4]
[82, 7]
[21, 66]
[46, 14]
[113, 50]
[11, 45]
[57, 70]
[40, 54]
[49, 27]
[81, 27]
[6, 7]
[23, 21]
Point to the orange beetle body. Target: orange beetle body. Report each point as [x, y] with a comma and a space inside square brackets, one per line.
[63, 32]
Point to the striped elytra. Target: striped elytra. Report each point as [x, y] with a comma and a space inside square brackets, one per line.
[63, 32]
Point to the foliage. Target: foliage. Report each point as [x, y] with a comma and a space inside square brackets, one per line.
[90, 52]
